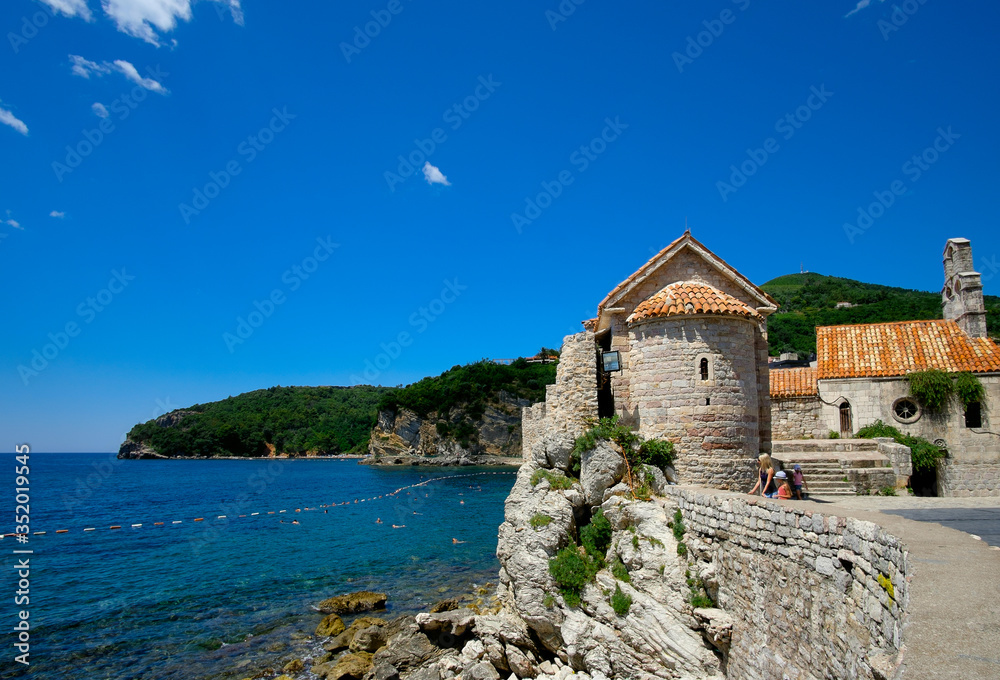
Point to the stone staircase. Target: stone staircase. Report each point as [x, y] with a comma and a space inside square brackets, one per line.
[836, 467]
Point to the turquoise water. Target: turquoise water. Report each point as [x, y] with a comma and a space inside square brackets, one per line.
[198, 600]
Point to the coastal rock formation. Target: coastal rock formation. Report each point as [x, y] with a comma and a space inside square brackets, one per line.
[352, 603]
[404, 438]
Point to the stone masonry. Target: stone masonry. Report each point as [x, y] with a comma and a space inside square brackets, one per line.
[797, 418]
[812, 596]
[713, 423]
[570, 405]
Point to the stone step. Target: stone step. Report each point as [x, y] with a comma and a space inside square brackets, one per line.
[824, 445]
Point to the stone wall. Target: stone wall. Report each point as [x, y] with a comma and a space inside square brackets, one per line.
[714, 423]
[978, 449]
[969, 479]
[797, 418]
[571, 403]
[812, 596]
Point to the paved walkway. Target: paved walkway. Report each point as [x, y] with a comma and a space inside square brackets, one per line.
[953, 627]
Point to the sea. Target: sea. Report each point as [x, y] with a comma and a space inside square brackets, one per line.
[235, 592]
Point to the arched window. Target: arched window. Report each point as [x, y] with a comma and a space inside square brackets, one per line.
[703, 367]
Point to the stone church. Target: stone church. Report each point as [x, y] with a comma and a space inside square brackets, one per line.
[860, 377]
[690, 334]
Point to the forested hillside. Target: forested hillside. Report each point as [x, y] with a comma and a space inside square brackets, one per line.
[810, 300]
[329, 420]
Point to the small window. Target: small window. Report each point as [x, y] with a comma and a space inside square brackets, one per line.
[974, 415]
[708, 401]
[703, 367]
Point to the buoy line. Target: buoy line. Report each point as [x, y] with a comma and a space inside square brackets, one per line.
[268, 512]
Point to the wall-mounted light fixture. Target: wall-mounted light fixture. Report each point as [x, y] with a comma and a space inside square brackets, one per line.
[611, 362]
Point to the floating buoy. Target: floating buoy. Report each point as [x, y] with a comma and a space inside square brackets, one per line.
[62, 531]
[89, 529]
[199, 519]
[116, 526]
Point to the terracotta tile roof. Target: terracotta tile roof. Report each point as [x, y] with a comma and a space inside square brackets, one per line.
[892, 349]
[793, 382]
[590, 324]
[688, 238]
[691, 297]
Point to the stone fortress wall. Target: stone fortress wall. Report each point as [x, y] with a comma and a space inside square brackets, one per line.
[571, 403]
[811, 596]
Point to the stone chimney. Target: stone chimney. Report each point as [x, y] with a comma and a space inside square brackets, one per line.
[963, 289]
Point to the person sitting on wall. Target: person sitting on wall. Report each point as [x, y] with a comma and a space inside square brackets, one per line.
[765, 477]
[798, 481]
[784, 489]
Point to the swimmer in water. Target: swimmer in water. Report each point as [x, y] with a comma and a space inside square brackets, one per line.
[398, 526]
[378, 520]
[456, 541]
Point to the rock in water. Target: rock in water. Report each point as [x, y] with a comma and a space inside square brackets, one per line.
[330, 626]
[352, 603]
[351, 667]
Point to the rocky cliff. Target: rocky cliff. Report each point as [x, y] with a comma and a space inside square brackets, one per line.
[404, 438]
[532, 631]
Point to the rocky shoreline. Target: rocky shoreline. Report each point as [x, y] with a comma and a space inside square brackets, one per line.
[531, 626]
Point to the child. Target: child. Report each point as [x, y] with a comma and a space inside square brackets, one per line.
[784, 490]
[798, 481]
[765, 473]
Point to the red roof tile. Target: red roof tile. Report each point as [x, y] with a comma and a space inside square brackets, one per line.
[793, 382]
[691, 297]
[894, 349]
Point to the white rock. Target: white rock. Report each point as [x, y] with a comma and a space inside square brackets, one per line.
[473, 650]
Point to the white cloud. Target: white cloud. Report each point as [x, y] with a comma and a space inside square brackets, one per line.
[84, 68]
[57, 214]
[70, 8]
[147, 19]
[861, 5]
[99, 110]
[8, 118]
[129, 71]
[14, 223]
[433, 175]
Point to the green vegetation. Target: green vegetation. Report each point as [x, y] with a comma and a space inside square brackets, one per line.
[555, 480]
[810, 300]
[682, 548]
[833, 434]
[969, 389]
[572, 569]
[887, 491]
[460, 395]
[698, 596]
[294, 420]
[934, 388]
[678, 525]
[620, 602]
[539, 521]
[549, 601]
[471, 387]
[638, 452]
[596, 536]
[923, 453]
[619, 571]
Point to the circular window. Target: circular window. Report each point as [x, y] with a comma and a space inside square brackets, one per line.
[906, 410]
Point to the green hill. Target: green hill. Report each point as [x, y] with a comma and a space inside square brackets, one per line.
[328, 420]
[810, 300]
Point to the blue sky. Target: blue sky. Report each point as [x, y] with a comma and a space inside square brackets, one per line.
[252, 149]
